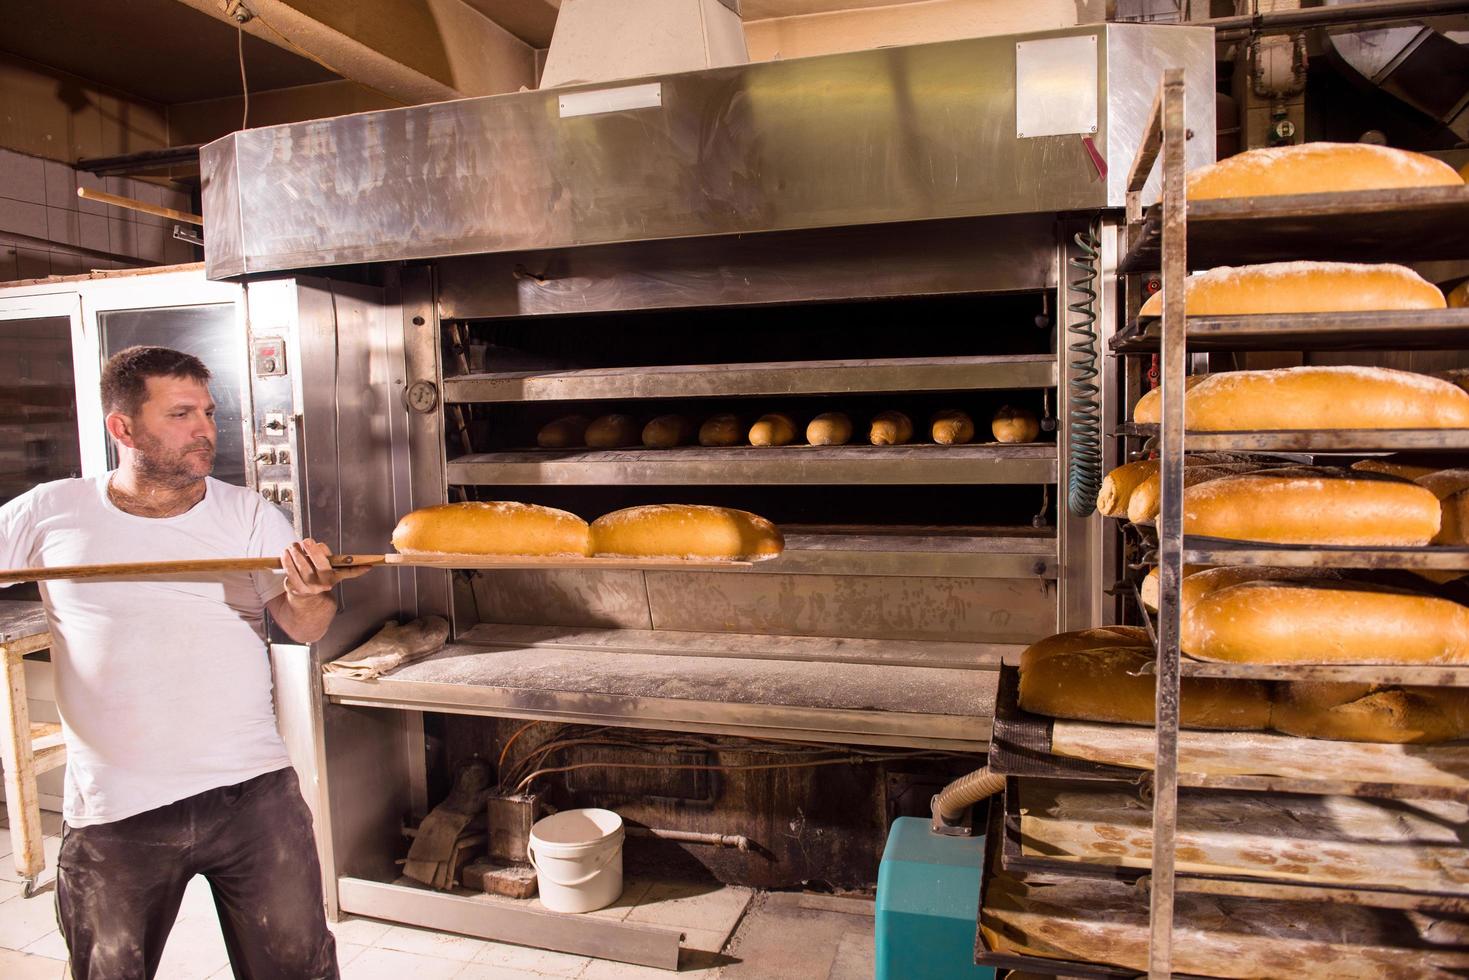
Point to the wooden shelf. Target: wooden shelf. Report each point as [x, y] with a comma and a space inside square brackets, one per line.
[847, 377]
[1391, 330]
[1345, 441]
[990, 463]
[1409, 225]
[1216, 551]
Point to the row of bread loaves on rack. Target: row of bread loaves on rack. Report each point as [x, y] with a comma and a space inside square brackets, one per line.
[1104, 675]
[950, 427]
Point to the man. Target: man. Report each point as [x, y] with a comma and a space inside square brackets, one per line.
[174, 765]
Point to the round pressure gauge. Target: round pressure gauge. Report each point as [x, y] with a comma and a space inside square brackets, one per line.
[422, 396]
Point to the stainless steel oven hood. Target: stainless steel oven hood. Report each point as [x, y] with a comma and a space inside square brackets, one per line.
[965, 128]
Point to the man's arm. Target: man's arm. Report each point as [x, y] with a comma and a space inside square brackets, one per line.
[306, 608]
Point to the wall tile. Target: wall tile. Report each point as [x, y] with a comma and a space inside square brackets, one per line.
[61, 186]
[63, 227]
[150, 242]
[23, 218]
[93, 232]
[22, 178]
[178, 252]
[32, 264]
[123, 234]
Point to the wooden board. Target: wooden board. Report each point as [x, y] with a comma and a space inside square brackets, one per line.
[1268, 754]
[212, 566]
[1099, 921]
[1316, 840]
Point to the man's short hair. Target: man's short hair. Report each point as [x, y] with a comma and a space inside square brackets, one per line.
[126, 373]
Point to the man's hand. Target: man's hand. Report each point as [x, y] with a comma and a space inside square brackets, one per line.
[309, 569]
[306, 610]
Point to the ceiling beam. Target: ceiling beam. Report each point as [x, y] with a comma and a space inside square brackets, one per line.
[410, 51]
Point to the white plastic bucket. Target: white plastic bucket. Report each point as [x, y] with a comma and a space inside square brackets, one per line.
[577, 855]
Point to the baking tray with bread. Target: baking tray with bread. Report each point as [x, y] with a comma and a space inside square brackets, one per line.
[1403, 854]
[1079, 724]
[1344, 201]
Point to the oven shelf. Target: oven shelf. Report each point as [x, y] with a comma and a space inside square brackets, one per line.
[994, 463]
[1315, 440]
[847, 377]
[1408, 224]
[808, 700]
[960, 552]
[1391, 330]
[1217, 551]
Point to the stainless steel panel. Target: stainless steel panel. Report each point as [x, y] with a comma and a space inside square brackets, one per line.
[900, 374]
[590, 598]
[867, 137]
[1136, 58]
[750, 646]
[1024, 463]
[846, 703]
[923, 258]
[584, 935]
[899, 608]
[424, 430]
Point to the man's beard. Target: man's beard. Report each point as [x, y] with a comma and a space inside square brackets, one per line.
[174, 469]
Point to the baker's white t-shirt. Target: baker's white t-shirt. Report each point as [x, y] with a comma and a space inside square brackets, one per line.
[163, 684]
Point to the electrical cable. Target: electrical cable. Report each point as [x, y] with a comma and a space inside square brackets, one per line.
[244, 84]
[847, 759]
[1084, 462]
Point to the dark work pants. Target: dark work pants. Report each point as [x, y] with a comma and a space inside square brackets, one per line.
[119, 885]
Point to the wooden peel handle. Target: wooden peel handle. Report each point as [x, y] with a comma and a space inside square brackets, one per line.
[133, 569]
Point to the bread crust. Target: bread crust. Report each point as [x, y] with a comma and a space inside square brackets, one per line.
[1317, 168]
[1302, 287]
[500, 527]
[685, 531]
[1320, 510]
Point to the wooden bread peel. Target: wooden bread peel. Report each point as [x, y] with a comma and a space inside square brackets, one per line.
[209, 565]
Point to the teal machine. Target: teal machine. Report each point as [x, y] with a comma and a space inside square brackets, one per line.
[928, 904]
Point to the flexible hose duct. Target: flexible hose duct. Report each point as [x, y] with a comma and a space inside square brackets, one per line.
[951, 802]
[1084, 463]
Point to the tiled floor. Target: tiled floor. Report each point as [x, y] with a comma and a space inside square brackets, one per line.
[729, 933]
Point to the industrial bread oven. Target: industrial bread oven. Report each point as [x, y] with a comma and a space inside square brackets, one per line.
[913, 229]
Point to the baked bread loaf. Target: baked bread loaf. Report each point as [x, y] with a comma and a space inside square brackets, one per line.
[613, 432]
[1332, 397]
[1199, 580]
[1318, 168]
[890, 429]
[1388, 467]
[501, 527]
[566, 432]
[1118, 486]
[1149, 408]
[1320, 509]
[1451, 487]
[667, 431]
[1099, 637]
[775, 429]
[951, 427]
[1112, 684]
[685, 531]
[1302, 287]
[1371, 713]
[1012, 424]
[1458, 297]
[1324, 623]
[829, 429]
[1147, 496]
[722, 430]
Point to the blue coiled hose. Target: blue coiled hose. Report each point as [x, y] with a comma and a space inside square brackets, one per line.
[1084, 469]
